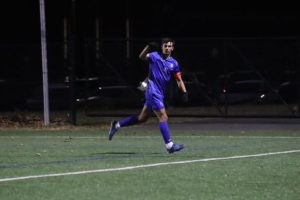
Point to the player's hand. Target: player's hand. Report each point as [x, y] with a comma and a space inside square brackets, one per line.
[185, 97]
[153, 46]
[143, 86]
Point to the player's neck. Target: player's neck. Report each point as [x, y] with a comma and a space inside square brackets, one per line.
[165, 56]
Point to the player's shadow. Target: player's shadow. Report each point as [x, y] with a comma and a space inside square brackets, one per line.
[116, 153]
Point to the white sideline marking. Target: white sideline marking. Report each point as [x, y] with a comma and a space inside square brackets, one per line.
[145, 166]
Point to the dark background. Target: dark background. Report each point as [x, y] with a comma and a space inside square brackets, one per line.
[257, 36]
[20, 19]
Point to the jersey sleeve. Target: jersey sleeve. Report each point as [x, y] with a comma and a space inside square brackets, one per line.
[151, 57]
[176, 67]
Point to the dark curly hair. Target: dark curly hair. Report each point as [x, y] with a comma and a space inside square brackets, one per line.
[166, 40]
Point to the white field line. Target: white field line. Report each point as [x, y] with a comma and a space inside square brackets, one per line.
[146, 166]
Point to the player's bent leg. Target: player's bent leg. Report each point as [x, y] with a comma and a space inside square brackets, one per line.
[115, 125]
[128, 121]
[144, 114]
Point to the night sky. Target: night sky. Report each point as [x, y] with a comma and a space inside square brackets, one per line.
[20, 20]
[152, 19]
[20, 32]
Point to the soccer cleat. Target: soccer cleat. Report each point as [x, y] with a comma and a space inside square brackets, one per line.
[175, 147]
[112, 130]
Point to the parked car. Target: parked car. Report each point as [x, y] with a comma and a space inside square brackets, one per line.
[245, 87]
[59, 97]
[60, 94]
[289, 91]
[243, 92]
[116, 96]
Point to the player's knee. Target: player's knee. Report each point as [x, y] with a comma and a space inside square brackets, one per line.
[163, 118]
[142, 118]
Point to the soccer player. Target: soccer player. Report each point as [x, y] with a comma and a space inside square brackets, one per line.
[161, 67]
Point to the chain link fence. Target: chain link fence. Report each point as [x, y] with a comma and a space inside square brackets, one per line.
[224, 76]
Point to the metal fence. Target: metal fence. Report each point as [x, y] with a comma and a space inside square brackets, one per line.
[224, 76]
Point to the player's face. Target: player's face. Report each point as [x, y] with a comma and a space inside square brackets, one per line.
[167, 48]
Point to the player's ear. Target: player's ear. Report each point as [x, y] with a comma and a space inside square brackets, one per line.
[172, 49]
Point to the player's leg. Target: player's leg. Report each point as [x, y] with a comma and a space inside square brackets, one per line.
[116, 125]
[128, 121]
[165, 131]
[144, 114]
[163, 125]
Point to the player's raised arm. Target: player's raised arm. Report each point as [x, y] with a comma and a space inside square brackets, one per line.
[151, 47]
[144, 54]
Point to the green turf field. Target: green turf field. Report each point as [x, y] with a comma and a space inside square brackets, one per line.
[135, 165]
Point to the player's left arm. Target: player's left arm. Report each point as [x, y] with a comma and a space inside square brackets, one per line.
[181, 86]
[180, 82]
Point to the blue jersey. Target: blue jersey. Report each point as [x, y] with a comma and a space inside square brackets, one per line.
[160, 73]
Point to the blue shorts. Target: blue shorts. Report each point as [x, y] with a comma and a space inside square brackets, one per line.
[155, 102]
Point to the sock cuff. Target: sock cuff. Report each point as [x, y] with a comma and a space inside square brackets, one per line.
[163, 123]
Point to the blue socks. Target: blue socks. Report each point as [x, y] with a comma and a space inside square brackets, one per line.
[130, 120]
[164, 129]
